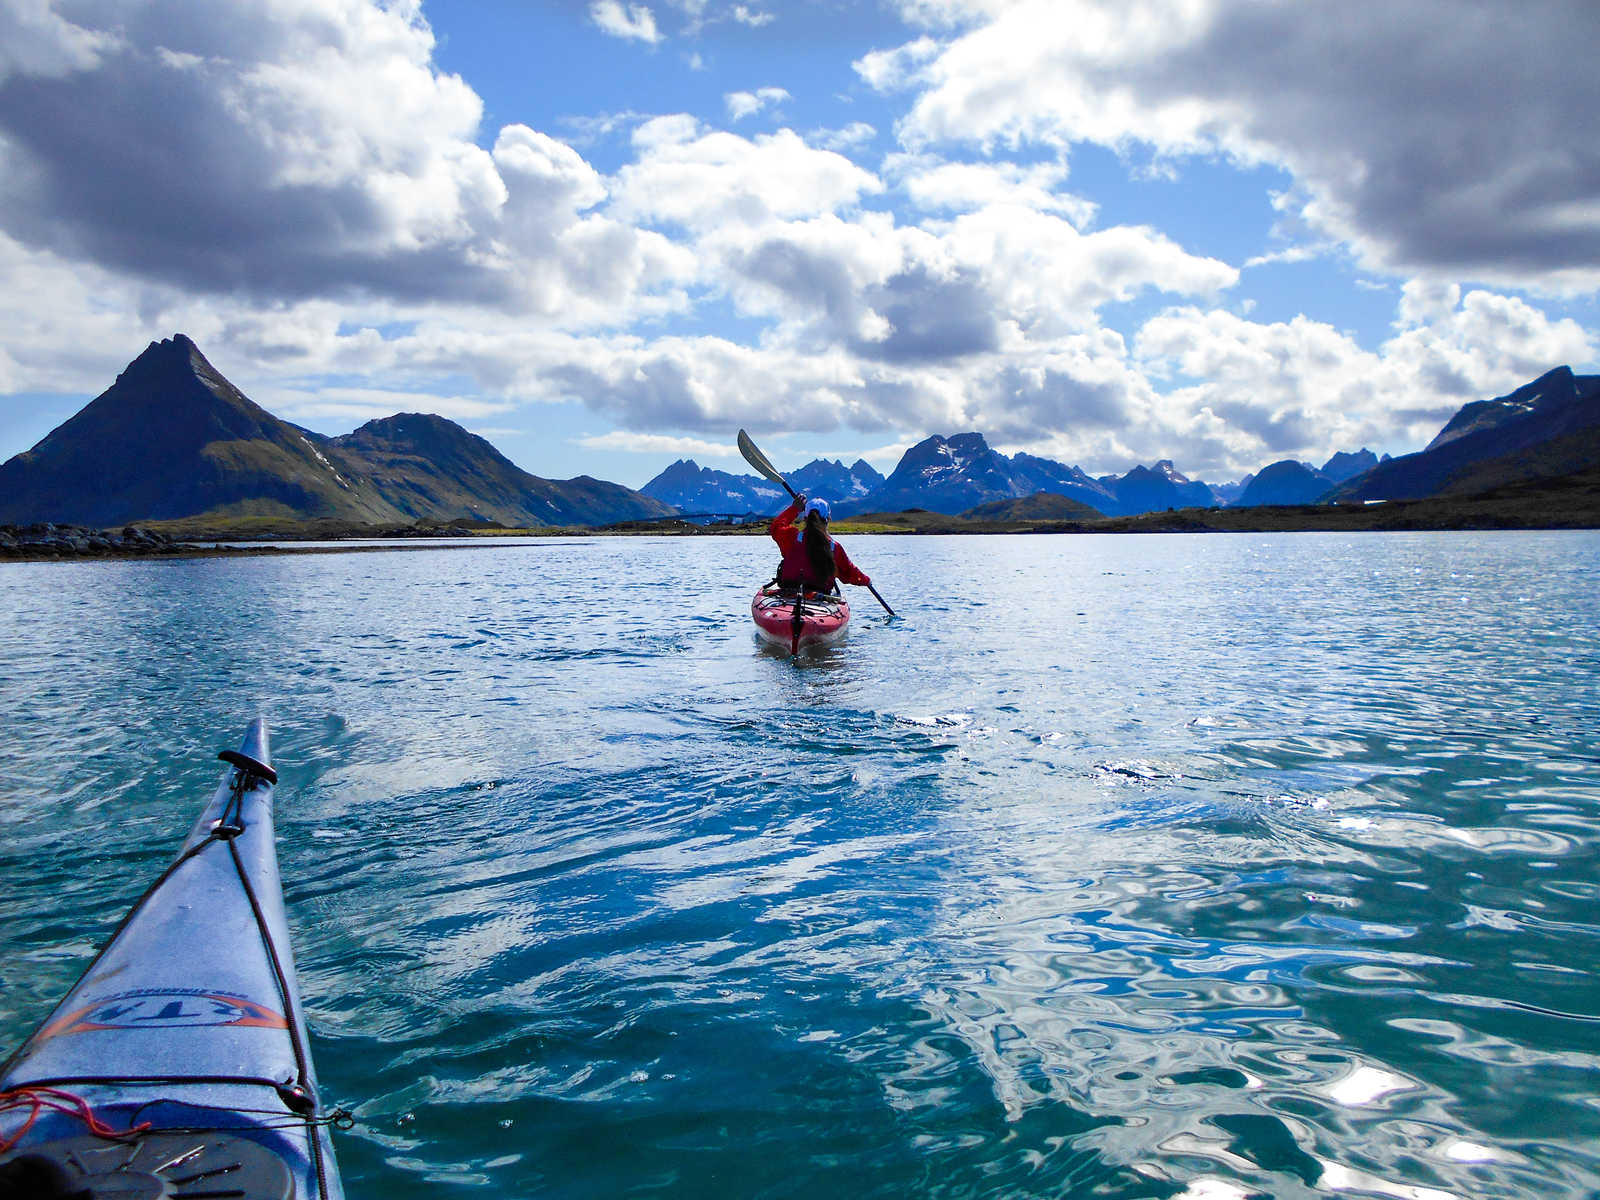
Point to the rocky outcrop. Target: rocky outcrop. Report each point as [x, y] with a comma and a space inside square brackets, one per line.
[47, 540]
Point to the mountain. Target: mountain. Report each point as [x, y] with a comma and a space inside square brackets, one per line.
[1227, 493]
[428, 467]
[944, 475]
[1546, 428]
[1285, 482]
[694, 489]
[834, 481]
[1345, 465]
[1041, 506]
[1044, 475]
[1152, 489]
[953, 475]
[172, 438]
[691, 488]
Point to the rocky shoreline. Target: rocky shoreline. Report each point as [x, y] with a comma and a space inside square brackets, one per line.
[52, 541]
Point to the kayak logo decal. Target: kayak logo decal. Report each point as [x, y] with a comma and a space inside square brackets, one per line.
[166, 1008]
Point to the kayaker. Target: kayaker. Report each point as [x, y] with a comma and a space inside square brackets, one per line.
[811, 558]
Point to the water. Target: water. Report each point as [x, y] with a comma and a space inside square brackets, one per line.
[1118, 867]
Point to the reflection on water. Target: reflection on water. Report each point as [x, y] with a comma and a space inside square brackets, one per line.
[1145, 866]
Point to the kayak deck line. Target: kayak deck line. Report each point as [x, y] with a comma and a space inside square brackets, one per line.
[796, 620]
[180, 1045]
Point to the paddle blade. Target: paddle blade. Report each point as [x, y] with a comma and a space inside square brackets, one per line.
[758, 460]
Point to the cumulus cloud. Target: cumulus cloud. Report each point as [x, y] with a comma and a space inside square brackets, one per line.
[1302, 389]
[296, 184]
[988, 280]
[700, 179]
[706, 384]
[901, 67]
[754, 18]
[936, 185]
[747, 104]
[299, 148]
[632, 21]
[1385, 114]
[283, 151]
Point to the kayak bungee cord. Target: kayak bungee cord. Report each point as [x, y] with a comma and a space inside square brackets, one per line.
[247, 774]
[39, 1098]
[177, 1064]
[300, 1096]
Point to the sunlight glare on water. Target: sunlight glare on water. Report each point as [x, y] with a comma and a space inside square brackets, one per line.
[1141, 866]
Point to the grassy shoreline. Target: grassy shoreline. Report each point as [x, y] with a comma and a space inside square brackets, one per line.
[1567, 502]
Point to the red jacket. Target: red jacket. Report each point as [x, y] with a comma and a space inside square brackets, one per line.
[797, 565]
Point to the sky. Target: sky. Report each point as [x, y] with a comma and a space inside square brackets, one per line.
[608, 234]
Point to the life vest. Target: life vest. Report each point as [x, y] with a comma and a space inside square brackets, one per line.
[796, 566]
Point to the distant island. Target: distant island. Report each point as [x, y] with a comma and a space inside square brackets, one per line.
[172, 455]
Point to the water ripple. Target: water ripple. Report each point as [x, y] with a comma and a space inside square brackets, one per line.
[1194, 867]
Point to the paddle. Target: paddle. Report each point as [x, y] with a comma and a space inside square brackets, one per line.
[758, 460]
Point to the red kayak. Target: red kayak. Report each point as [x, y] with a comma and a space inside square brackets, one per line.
[795, 622]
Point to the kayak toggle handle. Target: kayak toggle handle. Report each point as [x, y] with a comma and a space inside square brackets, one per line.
[249, 767]
[248, 773]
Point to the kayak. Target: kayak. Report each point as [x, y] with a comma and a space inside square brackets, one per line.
[178, 1065]
[794, 622]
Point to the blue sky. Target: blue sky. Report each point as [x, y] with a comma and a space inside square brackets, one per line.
[608, 234]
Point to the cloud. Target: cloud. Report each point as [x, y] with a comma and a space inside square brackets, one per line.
[996, 279]
[1383, 114]
[892, 70]
[711, 386]
[1302, 389]
[851, 137]
[655, 443]
[359, 405]
[1081, 393]
[298, 185]
[746, 104]
[333, 155]
[37, 42]
[1289, 254]
[301, 148]
[1048, 279]
[700, 180]
[940, 186]
[632, 21]
[1219, 394]
[752, 17]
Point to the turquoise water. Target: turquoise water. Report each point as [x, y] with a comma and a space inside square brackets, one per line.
[1143, 866]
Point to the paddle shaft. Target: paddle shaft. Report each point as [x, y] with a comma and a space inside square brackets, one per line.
[758, 460]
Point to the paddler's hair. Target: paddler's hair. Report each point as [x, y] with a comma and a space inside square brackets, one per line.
[819, 548]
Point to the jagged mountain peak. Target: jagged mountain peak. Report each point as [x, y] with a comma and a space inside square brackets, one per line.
[1555, 390]
[1545, 428]
[1346, 465]
[968, 445]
